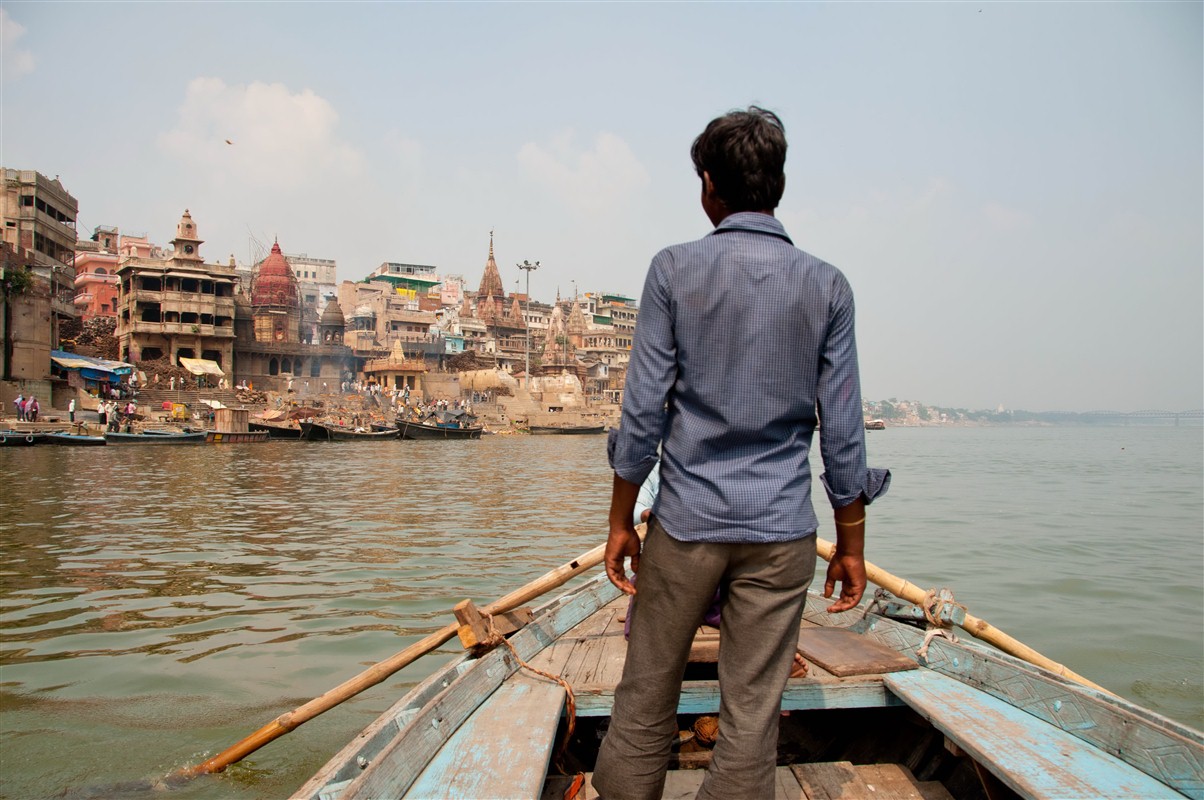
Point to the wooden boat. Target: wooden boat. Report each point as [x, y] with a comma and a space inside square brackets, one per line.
[339, 434]
[156, 437]
[883, 712]
[566, 430]
[277, 431]
[74, 439]
[421, 430]
[19, 438]
[241, 437]
[875, 425]
[314, 432]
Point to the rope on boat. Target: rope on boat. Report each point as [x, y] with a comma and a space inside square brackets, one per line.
[496, 638]
[933, 606]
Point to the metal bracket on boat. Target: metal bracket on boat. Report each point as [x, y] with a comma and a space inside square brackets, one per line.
[951, 613]
[477, 631]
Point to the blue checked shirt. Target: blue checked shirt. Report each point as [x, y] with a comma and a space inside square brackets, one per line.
[742, 341]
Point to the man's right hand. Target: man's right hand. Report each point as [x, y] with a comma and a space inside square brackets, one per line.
[849, 571]
[623, 542]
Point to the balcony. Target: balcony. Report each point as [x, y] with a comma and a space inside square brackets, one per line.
[184, 329]
[64, 231]
[84, 298]
[85, 278]
[63, 305]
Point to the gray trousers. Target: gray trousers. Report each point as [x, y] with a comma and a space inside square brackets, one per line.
[763, 588]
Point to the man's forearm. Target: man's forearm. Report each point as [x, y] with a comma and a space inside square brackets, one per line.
[850, 528]
[622, 501]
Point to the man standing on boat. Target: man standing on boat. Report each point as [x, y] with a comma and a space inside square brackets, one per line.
[743, 342]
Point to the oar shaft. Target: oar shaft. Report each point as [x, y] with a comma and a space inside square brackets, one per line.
[382, 670]
[979, 628]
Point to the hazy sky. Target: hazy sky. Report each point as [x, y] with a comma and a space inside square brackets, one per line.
[1014, 190]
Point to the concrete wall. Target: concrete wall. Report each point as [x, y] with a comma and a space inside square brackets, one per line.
[482, 380]
[42, 390]
[29, 331]
[440, 386]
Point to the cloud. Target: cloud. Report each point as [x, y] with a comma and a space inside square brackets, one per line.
[259, 135]
[591, 180]
[14, 62]
[1004, 219]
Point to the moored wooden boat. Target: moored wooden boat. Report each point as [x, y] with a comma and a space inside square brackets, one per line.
[314, 432]
[276, 430]
[155, 437]
[339, 434]
[418, 430]
[19, 438]
[872, 712]
[74, 439]
[240, 437]
[566, 430]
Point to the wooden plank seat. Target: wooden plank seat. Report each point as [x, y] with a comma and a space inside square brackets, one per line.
[1032, 757]
[503, 750]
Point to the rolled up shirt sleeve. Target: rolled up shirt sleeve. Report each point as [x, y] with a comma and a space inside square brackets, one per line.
[842, 432]
[632, 449]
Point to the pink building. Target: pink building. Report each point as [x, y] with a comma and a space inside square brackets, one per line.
[96, 262]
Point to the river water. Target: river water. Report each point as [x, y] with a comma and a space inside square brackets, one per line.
[158, 604]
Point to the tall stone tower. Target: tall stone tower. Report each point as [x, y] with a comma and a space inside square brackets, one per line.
[491, 296]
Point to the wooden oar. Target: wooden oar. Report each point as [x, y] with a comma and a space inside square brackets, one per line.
[976, 627]
[378, 672]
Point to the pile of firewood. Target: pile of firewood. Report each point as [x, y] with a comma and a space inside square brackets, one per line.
[92, 337]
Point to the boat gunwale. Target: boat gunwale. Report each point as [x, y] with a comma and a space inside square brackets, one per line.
[408, 715]
[971, 662]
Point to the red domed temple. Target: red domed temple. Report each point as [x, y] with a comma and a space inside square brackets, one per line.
[274, 350]
[275, 301]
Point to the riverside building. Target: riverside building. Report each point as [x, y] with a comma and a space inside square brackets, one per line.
[178, 306]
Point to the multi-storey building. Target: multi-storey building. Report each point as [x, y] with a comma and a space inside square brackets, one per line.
[96, 274]
[179, 306]
[620, 313]
[380, 313]
[416, 282]
[317, 284]
[39, 217]
[96, 264]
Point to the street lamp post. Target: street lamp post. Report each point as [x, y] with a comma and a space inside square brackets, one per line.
[527, 267]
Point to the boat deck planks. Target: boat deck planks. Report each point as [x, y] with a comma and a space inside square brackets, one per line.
[841, 780]
[503, 750]
[591, 655]
[1033, 758]
[827, 781]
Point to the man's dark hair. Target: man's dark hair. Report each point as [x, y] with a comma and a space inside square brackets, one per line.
[744, 152]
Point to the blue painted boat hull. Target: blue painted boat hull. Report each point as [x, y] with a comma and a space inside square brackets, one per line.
[481, 727]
